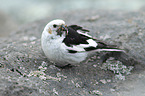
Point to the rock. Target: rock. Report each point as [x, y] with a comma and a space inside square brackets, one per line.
[7, 24]
[26, 71]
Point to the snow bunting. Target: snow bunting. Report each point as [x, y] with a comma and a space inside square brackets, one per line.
[65, 45]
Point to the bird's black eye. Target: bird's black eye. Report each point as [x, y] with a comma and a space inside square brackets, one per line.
[54, 25]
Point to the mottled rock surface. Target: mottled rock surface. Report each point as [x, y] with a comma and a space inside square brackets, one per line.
[26, 71]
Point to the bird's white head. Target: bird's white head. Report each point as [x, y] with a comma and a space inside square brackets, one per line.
[56, 27]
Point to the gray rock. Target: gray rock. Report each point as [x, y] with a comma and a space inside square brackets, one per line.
[26, 71]
[7, 24]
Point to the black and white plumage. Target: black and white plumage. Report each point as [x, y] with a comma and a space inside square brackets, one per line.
[69, 44]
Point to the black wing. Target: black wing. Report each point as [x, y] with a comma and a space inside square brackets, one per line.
[74, 38]
[76, 27]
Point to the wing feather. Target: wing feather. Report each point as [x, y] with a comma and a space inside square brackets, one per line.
[77, 41]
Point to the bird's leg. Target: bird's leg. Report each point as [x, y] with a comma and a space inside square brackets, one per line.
[65, 66]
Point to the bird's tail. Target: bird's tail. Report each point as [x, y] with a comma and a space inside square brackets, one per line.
[113, 50]
[106, 47]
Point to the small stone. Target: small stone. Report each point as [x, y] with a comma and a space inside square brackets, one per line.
[55, 92]
[93, 18]
[33, 42]
[61, 75]
[120, 77]
[24, 44]
[103, 81]
[32, 38]
[112, 90]
[97, 83]
[94, 65]
[77, 85]
[96, 92]
[108, 80]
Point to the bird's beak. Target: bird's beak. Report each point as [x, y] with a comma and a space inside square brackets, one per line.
[63, 27]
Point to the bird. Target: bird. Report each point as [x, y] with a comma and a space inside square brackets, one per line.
[70, 45]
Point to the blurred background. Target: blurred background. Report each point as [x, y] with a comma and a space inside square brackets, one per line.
[14, 13]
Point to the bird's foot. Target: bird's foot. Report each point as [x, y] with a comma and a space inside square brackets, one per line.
[68, 66]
